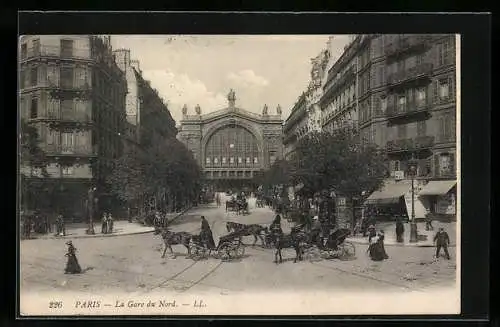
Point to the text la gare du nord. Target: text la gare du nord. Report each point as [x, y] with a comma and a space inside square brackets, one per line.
[135, 304]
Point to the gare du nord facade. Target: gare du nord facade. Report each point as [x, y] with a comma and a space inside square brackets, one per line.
[232, 145]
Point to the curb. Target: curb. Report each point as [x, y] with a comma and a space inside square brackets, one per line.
[110, 235]
[398, 244]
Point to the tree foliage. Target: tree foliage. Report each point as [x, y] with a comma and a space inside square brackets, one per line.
[166, 167]
[338, 161]
[32, 154]
[278, 174]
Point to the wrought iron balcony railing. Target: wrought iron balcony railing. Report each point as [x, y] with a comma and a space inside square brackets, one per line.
[424, 142]
[411, 108]
[406, 44]
[54, 52]
[410, 144]
[67, 150]
[419, 71]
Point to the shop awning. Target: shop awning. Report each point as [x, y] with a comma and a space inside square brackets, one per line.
[390, 193]
[437, 187]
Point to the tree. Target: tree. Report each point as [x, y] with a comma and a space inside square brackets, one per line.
[33, 166]
[338, 161]
[278, 174]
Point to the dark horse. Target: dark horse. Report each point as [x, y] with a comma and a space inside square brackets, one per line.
[173, 238]
[296, 239]
[247, 230]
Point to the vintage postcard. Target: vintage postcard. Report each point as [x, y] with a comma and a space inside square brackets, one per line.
[239, 174]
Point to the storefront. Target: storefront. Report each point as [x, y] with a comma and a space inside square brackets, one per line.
[387, 203]
[439, 198]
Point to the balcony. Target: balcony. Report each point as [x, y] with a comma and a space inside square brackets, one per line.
[414, 74]
[70, 90]
[409, 111]
[68, 117]
[406, 45]
[402, 145]
[333, 82]
[47, 51]
[423, 142]
[70, 151]
[409, 145]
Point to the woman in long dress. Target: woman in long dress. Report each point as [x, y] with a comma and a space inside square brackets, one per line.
[376, 248]
[72, 265]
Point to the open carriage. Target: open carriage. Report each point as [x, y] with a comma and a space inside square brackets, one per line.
[230, 247]
[334, 246]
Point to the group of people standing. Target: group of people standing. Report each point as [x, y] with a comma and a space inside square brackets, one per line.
[107, 223]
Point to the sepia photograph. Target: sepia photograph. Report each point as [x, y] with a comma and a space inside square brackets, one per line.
[239, 174]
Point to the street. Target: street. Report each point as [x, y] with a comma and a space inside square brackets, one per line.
[133, 264]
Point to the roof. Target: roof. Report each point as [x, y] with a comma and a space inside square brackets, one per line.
[390, 193]
[437, 187]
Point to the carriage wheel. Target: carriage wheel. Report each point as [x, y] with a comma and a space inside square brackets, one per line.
[240, 250]
[348, 250]
[195, 253]
[224, 251]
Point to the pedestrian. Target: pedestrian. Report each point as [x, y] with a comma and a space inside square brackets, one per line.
[376, 248]
[442, 241]
[109, 223]
[63, 226]
[206, 234]
[371, 232]
[72, 265]
[400, 229]
[316, 231]
[104, 223]
[428, 223]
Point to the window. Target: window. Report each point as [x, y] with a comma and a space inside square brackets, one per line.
[248, 161]
[397, 165]
[419, 59]
[68, 142]
[66, 77]
[383, 104]
[444, 53]
[255, 160]
[444, 164]
[401, 131]
[67, 109]
[421, 97]
[421, 128]
[24, 51]
[402, 103]
[231, 160]
[34, 76]
[223, 160]
[66, 48]
[240, 160]
[34, 108]
[207, 161]
[36, 47]
[216, 160]
[66, 171]
[444, 89]
[272, 159]
[448, 127]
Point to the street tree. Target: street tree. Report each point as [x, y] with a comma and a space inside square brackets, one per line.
[338, 161]
[33, 164]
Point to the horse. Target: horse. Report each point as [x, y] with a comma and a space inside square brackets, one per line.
[296, 239]
[174, 238]
[247, 230]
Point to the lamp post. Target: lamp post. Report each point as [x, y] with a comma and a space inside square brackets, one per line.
[412, 165]
[90, 209]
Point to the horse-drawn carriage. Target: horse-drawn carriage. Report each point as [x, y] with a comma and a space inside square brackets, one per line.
[332, 246]
[240, 206]
[229, 247]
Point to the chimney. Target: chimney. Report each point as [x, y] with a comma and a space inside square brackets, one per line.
[135, 64]
[122, 58]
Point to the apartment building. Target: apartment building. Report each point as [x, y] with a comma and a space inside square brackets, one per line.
[399, 90]
[306, 115]
[339, 102]
[73, 92]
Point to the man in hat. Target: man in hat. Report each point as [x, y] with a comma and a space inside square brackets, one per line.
[316, 230]
[442, 241]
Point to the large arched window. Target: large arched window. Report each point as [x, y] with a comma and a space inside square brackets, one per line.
[232, 146]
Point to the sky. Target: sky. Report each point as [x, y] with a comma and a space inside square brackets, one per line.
[191, 70]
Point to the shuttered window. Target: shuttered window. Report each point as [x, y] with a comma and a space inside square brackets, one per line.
[436, 166]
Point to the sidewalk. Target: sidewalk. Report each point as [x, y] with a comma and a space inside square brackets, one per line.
[120, 228]
[426, 238]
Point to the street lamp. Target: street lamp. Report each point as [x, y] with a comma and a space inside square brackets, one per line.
[412, 168]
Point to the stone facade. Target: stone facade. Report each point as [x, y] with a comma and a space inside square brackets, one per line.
[232, 143]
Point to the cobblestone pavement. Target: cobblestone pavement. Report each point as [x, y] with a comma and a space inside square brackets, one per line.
[133, 263]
